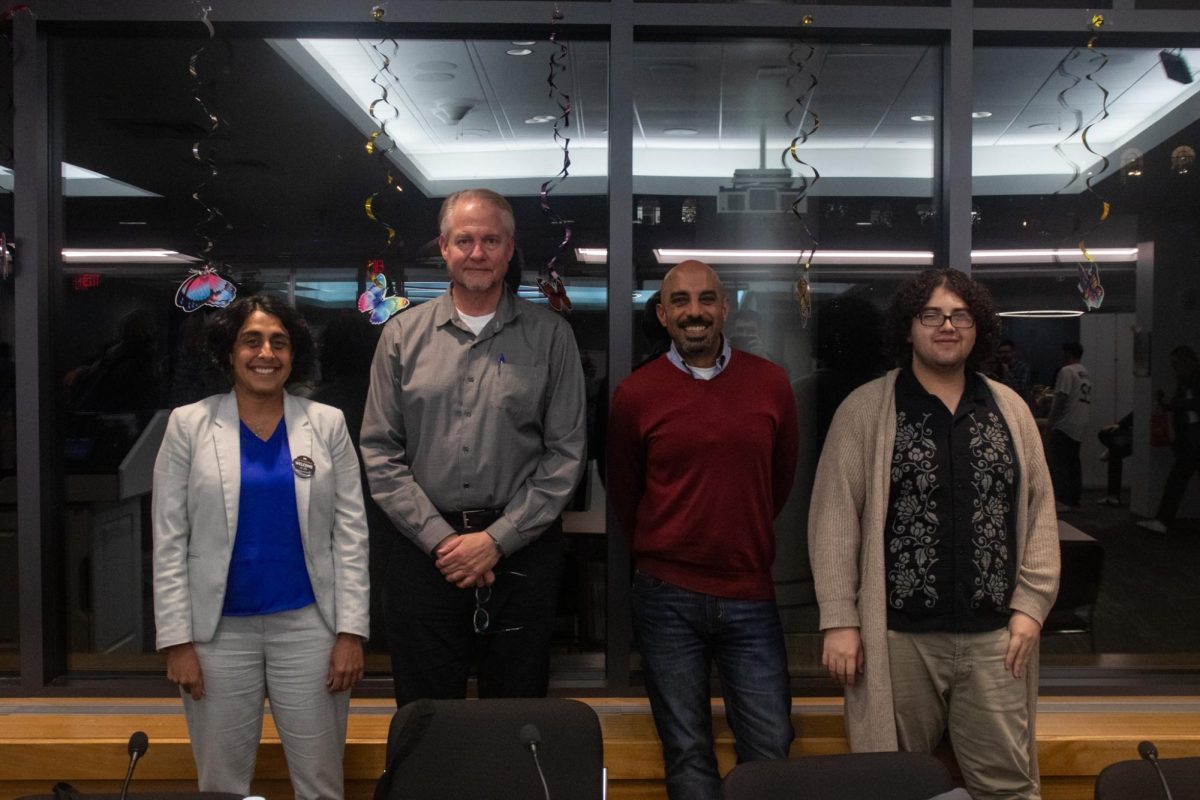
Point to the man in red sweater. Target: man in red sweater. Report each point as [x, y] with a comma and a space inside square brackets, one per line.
[702, 447]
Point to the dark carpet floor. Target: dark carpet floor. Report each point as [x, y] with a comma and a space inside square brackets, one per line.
[1149, 599]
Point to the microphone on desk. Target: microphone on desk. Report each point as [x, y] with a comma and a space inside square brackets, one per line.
[531, 738]
[1149, 752]
[138, 744]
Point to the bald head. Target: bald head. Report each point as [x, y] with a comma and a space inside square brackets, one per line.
[693, 310]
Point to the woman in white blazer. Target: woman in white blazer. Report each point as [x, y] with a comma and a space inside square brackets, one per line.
[260, 559]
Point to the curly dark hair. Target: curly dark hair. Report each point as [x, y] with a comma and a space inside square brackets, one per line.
[228, 321]
[913, 296]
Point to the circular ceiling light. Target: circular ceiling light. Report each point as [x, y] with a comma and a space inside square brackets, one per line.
[434, 77]
[540, 119]
[922, 117]
[680, 132]
[1043, 313]
[525, 44]
[519, 51]
[437, 66]
[980, 114]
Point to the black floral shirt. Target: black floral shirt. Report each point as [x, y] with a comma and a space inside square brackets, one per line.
[951, 523]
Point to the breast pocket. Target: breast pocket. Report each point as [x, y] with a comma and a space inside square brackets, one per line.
[519, 388]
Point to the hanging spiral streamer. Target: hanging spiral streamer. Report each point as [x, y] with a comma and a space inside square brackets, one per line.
[379, 299]
[1090, 288]
[205, 286]
[552, 285]
[802, 77]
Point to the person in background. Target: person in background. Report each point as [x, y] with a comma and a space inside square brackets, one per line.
[1068, 422]
[1012, 371]
[1185, 421]
[260, 559]
[935, 547]
[1118, 445]
[702, 447]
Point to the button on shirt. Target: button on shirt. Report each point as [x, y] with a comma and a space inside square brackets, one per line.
[951, 523]
[457, 421]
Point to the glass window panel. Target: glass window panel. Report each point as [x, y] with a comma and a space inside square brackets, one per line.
[290, 177]
[712, 182]
[9, 616]
[1046, 203]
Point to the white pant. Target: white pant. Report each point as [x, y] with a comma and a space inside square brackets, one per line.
[284, 656]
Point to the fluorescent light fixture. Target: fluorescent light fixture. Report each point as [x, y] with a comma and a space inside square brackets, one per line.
[1106, 254]
[591, 255]
[918, 257]
[74, 255]
[1045, 313]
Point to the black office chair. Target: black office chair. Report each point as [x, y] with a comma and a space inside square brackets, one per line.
[854, 776]
[1074, 609]
[1137, 780]
[479, 750]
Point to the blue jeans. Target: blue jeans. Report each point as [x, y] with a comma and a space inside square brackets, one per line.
[679, 633]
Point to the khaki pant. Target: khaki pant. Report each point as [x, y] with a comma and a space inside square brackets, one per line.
[957, 681]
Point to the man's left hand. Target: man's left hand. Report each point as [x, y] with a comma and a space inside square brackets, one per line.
[1023, 633]
[467, 560]
[345, 663]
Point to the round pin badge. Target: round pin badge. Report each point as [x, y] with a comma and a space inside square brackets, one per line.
[303, 466]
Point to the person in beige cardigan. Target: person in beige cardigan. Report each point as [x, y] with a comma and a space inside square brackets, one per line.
[849, 545]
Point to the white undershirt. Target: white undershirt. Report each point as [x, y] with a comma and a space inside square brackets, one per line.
[704, 373]
[476, 324]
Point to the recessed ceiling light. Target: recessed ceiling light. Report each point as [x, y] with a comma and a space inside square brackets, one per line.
[132, 222]
[980, 114]
[437, 66]
[540, 119]
[474, 133]
[434, 77]
[525, 44]
[680, 132]
[922, 118]
[519, 51]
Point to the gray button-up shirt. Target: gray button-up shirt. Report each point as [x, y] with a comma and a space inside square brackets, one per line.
[456, 421]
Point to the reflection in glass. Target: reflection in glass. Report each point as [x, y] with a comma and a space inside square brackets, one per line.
[1050, 203]
[9, 653]
[726, 193]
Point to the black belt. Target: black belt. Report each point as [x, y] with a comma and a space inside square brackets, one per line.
[473, 519]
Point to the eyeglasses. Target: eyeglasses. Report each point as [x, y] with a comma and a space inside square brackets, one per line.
[932, 318]
[467, 244]
[482, 620]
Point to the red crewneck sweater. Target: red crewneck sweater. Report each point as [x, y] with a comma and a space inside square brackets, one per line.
[698, 470]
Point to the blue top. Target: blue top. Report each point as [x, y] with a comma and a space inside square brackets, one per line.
[267, 571]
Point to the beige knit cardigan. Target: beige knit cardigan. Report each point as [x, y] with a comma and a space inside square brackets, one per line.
[845, 530]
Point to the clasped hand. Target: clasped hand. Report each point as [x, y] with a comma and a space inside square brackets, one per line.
[467, 559]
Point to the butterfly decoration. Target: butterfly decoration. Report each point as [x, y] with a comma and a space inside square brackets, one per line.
[204, 288]
[555, 292]
[378, 303]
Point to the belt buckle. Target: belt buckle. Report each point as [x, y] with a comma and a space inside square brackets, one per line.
[467, 516]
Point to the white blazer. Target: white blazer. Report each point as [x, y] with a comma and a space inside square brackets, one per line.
[197, 486]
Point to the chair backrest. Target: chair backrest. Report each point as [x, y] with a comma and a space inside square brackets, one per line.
[1082, 567]
[1137, 780]
[854, 776]
[474, 750]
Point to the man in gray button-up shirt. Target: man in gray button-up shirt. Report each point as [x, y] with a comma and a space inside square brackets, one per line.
[473, 439]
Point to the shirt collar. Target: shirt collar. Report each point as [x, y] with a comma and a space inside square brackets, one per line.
[722, 358]
[974, 390]
[506, 310]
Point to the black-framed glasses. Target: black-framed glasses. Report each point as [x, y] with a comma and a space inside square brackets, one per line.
[932, 318]
[481, 620]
